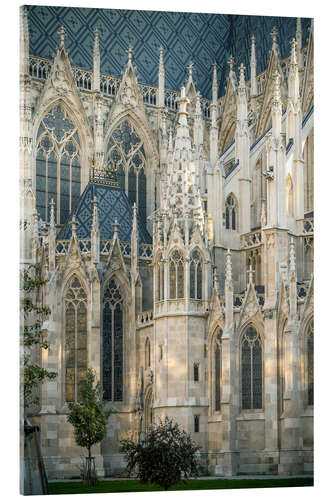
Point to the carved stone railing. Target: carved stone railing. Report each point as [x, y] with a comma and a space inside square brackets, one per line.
[39, 67]
[205, 106]
[251, 240]
[144, 319]
[149, 94]
[170, 97]
[308, 226]
[109, 84]
[238, 300]
[145, 249]
[83, 78]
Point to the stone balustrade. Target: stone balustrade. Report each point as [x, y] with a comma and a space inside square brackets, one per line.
[145, 319]
[252, 239]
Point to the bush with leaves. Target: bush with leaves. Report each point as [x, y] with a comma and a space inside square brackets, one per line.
[34, 315]
[166, 456]
[89, 419]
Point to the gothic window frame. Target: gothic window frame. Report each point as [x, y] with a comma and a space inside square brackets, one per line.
[216, 387]
[147, 354]
[231, 212]
[114, 300]
[176, 260]
[131, 162]
[74, 296]
[309, 332]
[196, 263]
[196, 372]
[196, 422]
[59, 160]
[245, 337]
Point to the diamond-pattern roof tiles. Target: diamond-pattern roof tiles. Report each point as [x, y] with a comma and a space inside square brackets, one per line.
[112, 203]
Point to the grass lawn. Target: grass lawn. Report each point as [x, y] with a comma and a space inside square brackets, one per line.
[193, 484]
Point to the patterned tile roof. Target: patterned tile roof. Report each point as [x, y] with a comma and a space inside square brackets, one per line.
[201, 38]
[112, 203]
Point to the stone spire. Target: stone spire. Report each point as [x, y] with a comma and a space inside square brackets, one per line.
[232, 76]
[197, 125]
[52, 238]
[276, 106]
[97, 62]
[95, 233]
[129, 53]
[98, 130]
[161, 80]
[300, 58]
[254, 83]
[251, 273]
[242, 136]
[275, 46]
[182, 190]
[213, 134]
[228, 292]
[115, 226]
[190, 72]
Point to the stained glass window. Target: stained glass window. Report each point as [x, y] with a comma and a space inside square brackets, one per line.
[75, 339]
[112, 343]
[310, 363]
[251, 367]
[126, 152]
[230, 213]
[176, 275]
[195, 276]
[58, 174]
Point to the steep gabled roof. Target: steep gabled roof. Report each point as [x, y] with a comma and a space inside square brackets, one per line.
[112, 203]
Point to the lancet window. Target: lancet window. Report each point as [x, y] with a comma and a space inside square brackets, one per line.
[231, 213]
[160, 281]
[58, 173]
[195, 276]
[251, 369]
[112, 342]
[125, 151]
[147, 354]
[310, 364]
[75, 339]
[217, 371]
[176, 275]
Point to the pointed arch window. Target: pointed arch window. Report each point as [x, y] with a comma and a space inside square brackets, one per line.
[125, 150]
[58, 172]
[176, 275]
[75, 339]
[310, 364]
[251, 369]
[147, 354]
[231, 213]
[112, 342]
[195, 276]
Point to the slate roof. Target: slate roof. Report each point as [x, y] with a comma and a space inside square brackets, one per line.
[185, 36]
[112, 203]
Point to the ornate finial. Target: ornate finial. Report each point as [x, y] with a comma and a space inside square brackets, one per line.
[231, 63]
[115, 226]
[129, 53]
[52, 222]
[228, 266]
[62, 33]
[190, 70]
[73, 223]
[182, 92]
[242, 76]
[293, 55]
[250, 273]
[274, 35]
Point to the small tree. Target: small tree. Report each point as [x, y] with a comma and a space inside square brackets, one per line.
[166, 456]
[34, 314]
[89, 419]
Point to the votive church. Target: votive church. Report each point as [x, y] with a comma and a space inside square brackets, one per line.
[176, 237]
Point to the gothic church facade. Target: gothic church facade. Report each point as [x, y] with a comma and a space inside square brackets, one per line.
[176, 237]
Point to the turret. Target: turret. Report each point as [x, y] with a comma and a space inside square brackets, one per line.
[276, 107]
